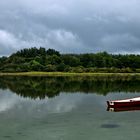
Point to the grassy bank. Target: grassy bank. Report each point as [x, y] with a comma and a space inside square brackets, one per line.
[67, 74]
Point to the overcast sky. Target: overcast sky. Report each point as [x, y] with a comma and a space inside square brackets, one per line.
[70, 26]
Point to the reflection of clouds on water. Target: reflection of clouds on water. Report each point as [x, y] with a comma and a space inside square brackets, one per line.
[7, 100]
[64, 103]
[59, 104]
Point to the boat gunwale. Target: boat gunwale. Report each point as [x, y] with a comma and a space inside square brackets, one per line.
[126, 100]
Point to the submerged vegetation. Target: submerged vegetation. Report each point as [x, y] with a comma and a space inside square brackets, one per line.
[41, 87]
[39, 59]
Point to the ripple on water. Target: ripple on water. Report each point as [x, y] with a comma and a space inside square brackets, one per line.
[7, 137]
[110, 126]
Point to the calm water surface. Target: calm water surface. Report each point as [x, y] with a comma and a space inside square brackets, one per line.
[38, 108]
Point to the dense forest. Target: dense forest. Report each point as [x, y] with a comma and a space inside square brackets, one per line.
[40, 59]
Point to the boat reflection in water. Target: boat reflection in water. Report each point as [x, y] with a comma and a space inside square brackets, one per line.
[132, 104]
[119, 109]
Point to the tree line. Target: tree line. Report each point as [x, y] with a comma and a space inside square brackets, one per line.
[40, 59]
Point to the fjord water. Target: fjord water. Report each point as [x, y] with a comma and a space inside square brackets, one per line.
[66, 108]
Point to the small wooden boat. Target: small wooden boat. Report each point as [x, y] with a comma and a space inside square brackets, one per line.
[133, 102]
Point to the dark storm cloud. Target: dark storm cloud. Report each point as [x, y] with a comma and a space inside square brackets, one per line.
[73, 26]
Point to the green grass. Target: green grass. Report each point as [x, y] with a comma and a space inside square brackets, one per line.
[67, 74]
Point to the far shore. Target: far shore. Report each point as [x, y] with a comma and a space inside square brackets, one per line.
[67, 74]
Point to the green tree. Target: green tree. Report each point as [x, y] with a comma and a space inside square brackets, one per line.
[52, 52]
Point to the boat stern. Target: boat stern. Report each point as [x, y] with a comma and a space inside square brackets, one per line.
[110, 103]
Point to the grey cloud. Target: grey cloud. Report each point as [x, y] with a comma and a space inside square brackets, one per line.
[71, 27]
[125, 42]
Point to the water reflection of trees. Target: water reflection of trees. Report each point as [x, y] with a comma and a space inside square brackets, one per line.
[41, 87]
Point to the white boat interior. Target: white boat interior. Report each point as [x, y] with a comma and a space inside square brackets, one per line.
[128, 100]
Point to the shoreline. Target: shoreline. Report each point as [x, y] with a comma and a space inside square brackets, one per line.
[66, 74]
